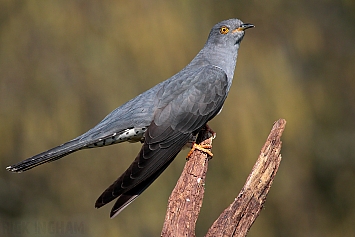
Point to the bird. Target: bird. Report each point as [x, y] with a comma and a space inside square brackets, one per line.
[164, 118]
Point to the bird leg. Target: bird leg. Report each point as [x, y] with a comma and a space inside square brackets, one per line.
[209, 129]
[196, 140]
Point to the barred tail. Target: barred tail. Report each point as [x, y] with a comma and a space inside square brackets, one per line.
[51, 155]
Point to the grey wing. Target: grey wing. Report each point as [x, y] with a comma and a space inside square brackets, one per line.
[173, 125]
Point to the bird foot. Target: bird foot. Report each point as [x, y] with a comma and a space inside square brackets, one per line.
[202, 148]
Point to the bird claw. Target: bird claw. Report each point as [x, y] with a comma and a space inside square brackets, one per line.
[202, 148]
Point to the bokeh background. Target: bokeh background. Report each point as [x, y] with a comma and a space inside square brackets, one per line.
[65, 64]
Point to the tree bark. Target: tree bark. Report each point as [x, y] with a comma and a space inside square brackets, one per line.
[186, 199]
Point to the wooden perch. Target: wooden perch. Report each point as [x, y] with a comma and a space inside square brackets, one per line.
[185, 200]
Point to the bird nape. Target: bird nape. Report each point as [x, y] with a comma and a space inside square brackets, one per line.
[164, 118]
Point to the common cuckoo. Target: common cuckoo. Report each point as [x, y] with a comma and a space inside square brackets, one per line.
[164, 118]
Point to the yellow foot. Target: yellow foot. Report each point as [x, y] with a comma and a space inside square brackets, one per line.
[202, 148]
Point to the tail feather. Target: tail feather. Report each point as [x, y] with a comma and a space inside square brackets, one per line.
[47, 156]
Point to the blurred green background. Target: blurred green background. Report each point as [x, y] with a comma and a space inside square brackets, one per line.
[65, 64]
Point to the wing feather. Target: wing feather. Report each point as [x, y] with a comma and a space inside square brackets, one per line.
[179, 115]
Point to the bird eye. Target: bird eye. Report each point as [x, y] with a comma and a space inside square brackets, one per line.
[223, 30]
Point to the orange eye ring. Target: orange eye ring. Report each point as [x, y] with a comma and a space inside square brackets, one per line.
[223, 30]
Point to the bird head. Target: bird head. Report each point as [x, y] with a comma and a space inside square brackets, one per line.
[228, 32]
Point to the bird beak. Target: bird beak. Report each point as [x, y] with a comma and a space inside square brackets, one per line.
[243, 27]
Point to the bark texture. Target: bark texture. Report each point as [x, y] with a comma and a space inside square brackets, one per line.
[186, 199]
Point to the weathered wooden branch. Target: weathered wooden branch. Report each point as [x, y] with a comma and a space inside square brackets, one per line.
[237, 219]
[186, 199]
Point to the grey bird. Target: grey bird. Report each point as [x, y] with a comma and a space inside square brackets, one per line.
[164, 118]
